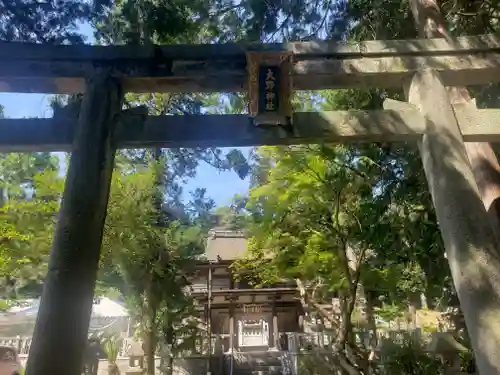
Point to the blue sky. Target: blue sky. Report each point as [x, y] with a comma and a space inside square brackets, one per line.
[221, 186]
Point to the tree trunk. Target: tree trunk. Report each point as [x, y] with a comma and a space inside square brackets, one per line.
[169, 341]
[151, 304]
[370, 317]
[151, 340]
[150, 354]
[430, 24]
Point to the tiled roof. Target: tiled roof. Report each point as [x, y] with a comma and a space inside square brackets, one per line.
[225, 245]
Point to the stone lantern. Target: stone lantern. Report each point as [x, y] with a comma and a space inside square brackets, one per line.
[135, 354]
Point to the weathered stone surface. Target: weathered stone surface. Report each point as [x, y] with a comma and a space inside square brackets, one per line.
[222, 68]
[399, 123]
[65, 307]
[471, 246]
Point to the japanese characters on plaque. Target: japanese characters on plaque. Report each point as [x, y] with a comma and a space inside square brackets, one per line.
[269, 89]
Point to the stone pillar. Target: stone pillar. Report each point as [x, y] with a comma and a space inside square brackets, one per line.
[63, 319]
[470, 242]
[271, 333]
[301, 322]
[294, 349]
[231, 328]
[276, 335]
[239, 341]
[321, 333]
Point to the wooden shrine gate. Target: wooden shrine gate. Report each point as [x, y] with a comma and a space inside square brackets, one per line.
[423, 67]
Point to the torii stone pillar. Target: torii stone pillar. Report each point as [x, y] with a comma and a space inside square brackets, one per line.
[63, 319]
[471, 246]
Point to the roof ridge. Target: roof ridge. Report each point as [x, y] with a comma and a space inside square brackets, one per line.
[228, 233]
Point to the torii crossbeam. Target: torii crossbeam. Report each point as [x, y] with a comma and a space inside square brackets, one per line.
[423, 67]
[222, 67]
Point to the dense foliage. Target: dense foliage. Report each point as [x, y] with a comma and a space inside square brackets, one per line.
[54, 21]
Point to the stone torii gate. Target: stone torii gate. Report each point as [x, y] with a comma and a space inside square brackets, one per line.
[423, 67]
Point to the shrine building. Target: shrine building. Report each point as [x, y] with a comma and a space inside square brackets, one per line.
[245, 317]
